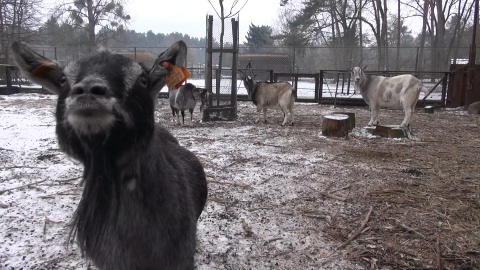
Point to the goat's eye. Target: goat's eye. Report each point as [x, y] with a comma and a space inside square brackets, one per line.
[143, 81]
[63, 80]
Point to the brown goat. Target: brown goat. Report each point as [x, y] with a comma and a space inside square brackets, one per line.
[271, 95]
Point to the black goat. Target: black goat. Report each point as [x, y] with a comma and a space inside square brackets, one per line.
[143, 192]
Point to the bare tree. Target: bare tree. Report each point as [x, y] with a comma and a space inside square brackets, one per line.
[19, 20]
[235, 9]
[436, 15]
[109, 15]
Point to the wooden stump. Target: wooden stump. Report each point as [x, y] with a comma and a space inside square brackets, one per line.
[474, 108]
[351, 119]
[335, 125]
[389, 131]
[429, 109]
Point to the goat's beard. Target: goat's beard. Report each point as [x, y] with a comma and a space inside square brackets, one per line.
[90, 116]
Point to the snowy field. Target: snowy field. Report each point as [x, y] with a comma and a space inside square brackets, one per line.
[279, 197]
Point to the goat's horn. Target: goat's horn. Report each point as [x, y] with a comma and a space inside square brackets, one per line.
[359, 62]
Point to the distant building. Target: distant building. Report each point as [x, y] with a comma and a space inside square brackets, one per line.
[277, 62]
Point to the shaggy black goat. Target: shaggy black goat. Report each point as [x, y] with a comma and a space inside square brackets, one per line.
[143, 192]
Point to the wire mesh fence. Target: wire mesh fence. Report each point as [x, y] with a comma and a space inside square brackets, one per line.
[279, 59]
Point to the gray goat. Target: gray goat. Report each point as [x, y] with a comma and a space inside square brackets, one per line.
[143, 192]
[185, 98]
[271, 95]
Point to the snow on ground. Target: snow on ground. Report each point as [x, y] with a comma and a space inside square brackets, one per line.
[265, 209]
[34, 218]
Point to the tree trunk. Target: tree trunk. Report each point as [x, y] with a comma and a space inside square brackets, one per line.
[423, 36]
[2, 30]
[91, 25]
[399, 27]
[441, 36]
[360, 29]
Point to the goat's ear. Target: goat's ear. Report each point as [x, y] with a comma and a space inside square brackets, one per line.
[176, 55]
[38, 68]
[364, 67]
[349, 69]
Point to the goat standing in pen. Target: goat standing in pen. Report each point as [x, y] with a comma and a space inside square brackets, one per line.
[143, 193]
[392, 92]
[185, 98]
[271, 95]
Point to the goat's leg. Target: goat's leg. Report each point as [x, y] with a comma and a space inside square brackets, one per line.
[178, 118]
[191, 116]
[286, 114]
[291, 116]
[259, 109]
[408, 115]
[265, 114]
[374, 110]
[173, 114]
[183, 117]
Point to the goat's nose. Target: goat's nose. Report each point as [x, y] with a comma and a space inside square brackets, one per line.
[96, 89]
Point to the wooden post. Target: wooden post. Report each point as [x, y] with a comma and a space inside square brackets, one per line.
[335, 125]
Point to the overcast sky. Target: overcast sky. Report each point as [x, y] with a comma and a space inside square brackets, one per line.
[188, 16]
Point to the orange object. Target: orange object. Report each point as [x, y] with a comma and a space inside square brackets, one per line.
[176, 75]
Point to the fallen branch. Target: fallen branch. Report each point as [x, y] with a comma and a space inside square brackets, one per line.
[410, 229]
[23, 167]
[387, 191]
[338, 189]
[328, 195]
[68, 180]
[358, 231]
[439, 254]
[56, 182]
[31, 184]
[228, 183]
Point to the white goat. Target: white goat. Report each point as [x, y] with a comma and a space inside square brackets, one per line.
[391, 92]
[271, 95]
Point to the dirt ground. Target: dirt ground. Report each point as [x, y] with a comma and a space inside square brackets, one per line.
[279, 197]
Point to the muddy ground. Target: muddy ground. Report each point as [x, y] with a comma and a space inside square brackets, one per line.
[279, 197]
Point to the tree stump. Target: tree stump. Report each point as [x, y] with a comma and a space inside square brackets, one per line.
[474, 108]
[389, 131]
[351, 119]
[335, 125]
[429, 109]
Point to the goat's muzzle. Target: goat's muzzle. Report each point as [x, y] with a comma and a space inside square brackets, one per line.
[90, 114]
